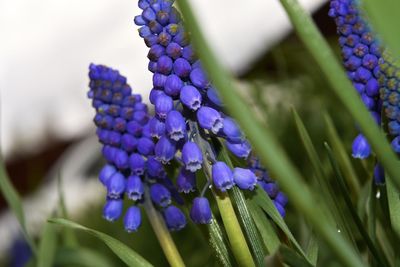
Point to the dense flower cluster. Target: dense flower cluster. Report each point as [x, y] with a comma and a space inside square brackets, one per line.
[361, 54]
[182, 93]
[131, 171]
[390, 85]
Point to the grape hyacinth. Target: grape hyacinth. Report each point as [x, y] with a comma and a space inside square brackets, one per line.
[189, 116]
[123, 127]
[360, 53]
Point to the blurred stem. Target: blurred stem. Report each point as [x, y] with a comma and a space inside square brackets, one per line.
[238, 242]
[164, 237]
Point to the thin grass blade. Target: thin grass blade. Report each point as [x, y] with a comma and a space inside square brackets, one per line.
[14, 201]
[47, 246]
[218, 242]
[81, 257]
[127, 255]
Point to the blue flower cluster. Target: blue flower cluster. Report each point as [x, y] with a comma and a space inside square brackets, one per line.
[389, 92]
[131, 171]
[361, 53]
[182, 93]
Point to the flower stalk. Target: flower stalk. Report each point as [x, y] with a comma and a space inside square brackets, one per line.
[236, 238]
[164, 237]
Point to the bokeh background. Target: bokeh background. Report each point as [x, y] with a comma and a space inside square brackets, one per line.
[46, 120]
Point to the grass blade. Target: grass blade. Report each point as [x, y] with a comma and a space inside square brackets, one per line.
[14, 201]
[291, 258]
[341, 85]
[342, 156]
[356, 219]
[265, 144]
[336, 212]
[263, 201]
[82, 257]
[267, 231]
[312, 249]
[127, 255]
[393, 196]
[217, 242]
[47, 246]
[384, 17]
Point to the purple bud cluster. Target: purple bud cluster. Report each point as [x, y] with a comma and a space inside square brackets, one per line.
[389, 92]
[266, 183]
[183, 93]
[124, 129]
[361, 53]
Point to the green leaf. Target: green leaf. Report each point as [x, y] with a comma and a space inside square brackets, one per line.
[356, 219]
[267, 148]
[81, 257]
[312, 249]
[14, 201]
[341, 85]
[291, 258]
[47, 246]
[265, 227]
[217, 242]
[127, 255]
[394, 206]
[333, 209]
[69, 237]
[384, 17]
[262, 199]
[342, 156]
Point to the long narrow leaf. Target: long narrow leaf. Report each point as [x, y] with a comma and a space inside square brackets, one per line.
[267, 231]
[217, 242]
[82, 257]
[14, 201]
[127, 255]
[47, 246]
[394, 206]
[342, 156]
[263, 200]
[341, 85]
[356, 219]
[265, 144]
[291, 258]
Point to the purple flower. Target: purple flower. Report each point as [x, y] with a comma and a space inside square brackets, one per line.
[128, 143]
[201, 212]
[132, 219]
[192, 156]
[240, 150]
[175, 125]
[121, 159]
[163, 104]
[136, 163]
[244, 178]
[379, 174]
[160, 195]
[157, 127]
[232, 131]
[155, 168]
[182, 67]
[165, 149]
[174, 218]
[199, 78]
[173, 85]
[186, 181]
[280, 209]
[396, 144]
[190, 97]
[112, 209]
[210, 119]
[270, 188]
[106, 172]
[116, 185]
[145, 146]
[360, 147]
[164, 65]
[222, 176]
[281, 199]
[134, 188]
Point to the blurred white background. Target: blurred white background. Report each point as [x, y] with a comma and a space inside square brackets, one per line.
[47, 46]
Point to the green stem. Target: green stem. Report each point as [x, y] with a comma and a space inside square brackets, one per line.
[238, 242]
[166, 242]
